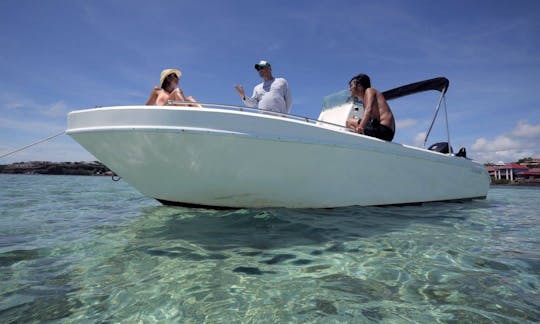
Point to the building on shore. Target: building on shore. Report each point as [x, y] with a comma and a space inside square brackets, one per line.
[514, 172]
[532, 174]
[531, 163]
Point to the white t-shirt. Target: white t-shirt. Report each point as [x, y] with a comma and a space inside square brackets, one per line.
[272, 95]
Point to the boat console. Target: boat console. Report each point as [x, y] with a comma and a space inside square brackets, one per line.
[340, 106]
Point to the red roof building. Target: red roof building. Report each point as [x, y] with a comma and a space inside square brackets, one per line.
[533, 163]
[530, 174]
[508, 171]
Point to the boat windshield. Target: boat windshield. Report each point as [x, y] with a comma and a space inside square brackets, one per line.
[337, 99]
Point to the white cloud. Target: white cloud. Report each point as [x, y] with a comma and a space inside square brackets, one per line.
[31, 126]
[419, 139]
[58, 108]
[480, 144]
[500, 143]
[10, 101]
[18, 104]
[523, 129]
[522, 141]
[405, 123]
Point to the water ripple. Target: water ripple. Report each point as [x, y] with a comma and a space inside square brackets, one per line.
[87, 249]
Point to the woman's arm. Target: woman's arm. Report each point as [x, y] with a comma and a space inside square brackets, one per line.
[177, 94]
[153, 97]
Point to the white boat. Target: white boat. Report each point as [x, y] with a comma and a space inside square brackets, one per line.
[231, 156]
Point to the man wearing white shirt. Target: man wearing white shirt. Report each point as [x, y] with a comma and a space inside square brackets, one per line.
[272, 94]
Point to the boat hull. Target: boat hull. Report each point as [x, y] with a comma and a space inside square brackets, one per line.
[224, 158]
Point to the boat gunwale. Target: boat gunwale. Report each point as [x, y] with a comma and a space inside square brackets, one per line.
[213, 107]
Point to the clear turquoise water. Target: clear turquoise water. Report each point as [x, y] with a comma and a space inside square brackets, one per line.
[86, 249]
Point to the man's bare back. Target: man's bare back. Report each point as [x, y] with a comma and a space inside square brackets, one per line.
[379, 108]
[377, 120]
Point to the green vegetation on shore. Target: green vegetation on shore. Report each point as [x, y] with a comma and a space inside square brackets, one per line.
[58, 168]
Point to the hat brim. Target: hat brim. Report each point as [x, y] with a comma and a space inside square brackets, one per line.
[260, 66]
[165, 73]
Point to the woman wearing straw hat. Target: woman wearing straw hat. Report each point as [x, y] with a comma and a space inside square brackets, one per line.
[168, 90]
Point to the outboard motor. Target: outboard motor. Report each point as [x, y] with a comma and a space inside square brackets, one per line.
[462, 152]
[441, 147]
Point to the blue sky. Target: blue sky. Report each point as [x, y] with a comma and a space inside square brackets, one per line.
[59, 56]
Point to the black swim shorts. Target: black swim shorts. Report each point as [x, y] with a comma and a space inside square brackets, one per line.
[375, 129]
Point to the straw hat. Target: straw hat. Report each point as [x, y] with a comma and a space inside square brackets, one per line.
[165, 73]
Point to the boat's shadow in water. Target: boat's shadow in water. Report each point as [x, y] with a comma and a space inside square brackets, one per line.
[263, 229]
[261, 239]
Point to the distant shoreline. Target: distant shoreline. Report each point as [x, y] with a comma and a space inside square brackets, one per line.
[94, 168]
[516, 184]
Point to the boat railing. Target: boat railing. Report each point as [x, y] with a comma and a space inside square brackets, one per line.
[256, 110]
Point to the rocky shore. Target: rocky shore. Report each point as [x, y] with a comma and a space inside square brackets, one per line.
[93, 168]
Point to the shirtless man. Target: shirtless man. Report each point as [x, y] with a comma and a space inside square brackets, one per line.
[168, 89]
[378, 120]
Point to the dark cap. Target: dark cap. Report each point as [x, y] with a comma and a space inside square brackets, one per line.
[261, 64]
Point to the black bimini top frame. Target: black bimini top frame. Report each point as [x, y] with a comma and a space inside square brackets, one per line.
[438, 84]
